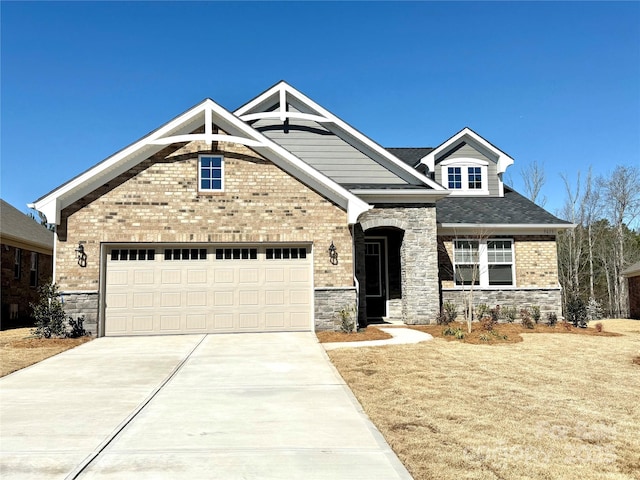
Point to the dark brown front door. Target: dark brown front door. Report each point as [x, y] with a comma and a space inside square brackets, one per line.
[376, 284]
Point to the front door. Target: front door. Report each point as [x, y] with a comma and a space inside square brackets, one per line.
[376, 272]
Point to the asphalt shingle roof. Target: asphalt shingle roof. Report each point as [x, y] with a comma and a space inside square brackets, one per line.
[410, 156]
[15, 224]
[513, 208]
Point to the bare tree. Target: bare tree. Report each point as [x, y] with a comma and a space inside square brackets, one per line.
[570, 241]
[533, 176]
[621, 195]
[592, 209]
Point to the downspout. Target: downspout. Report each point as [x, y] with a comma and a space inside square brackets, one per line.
[356, 283]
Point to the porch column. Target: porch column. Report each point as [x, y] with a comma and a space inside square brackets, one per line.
[419, 257]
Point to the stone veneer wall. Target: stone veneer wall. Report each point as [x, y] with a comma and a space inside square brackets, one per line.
[158, 201]
[418, 257]
[82, 304]
[549, 300]
[328, 302]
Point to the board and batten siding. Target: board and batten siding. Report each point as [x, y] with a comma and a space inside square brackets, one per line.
[326, 152]
[468, 151]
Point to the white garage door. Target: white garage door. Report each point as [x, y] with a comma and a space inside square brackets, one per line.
[175, 289]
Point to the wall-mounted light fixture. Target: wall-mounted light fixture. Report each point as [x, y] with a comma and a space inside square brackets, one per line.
[333, 254]
[82, 257]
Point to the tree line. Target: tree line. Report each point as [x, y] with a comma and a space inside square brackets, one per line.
[593, 255]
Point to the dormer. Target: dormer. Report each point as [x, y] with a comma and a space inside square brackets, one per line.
[468, 165]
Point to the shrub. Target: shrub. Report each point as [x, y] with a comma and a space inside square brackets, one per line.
[593, 310]
[482, 310]
[525, 318]
[535, 313]
[453, 332]
[347, 320]
[48, 313]
[451, 312]
[599, 327]
[495, 314]
[552, 319]
[488, 323]
[509, 314]
[76, 328]
[576, 311]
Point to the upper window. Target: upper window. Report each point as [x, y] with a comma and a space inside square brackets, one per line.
[210, 173]
[465, 176]
[484, 263]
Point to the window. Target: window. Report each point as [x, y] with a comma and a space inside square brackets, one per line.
[286, 253]
[236, 253]
[185, 254]
[211, 173]
[485, 263]
[465, 176]
[17, 262]
[133, 254]
[33, 272]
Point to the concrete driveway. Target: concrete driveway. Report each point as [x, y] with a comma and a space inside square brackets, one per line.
[246, 406]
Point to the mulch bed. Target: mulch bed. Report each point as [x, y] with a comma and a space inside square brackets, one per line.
[369, 333]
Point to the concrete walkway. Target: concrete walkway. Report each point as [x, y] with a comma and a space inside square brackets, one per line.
[247, 406]
[400, 336]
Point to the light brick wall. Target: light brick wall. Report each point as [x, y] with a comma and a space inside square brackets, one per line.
[157, 201]
[535, 256]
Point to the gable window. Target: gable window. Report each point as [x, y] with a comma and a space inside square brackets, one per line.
[17, 262]
[465, 176]
[210, 173]
[33, 272]
[484, 263]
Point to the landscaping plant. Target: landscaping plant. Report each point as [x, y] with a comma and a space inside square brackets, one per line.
[48, 313]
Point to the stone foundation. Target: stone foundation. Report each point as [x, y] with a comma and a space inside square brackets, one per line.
[328, 302]
[548, 299]
[82, 304]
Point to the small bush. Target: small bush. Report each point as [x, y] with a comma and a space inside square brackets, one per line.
[488, 323]
[485, 337]
[576, 311]
[496, 314]
[599, 327]
[552, 319]
[535, 314]
[525, 318]
[453, 332]
[76, 328]
[509, 314]
[347, 320]
[48, 313]
[482, 310]
[451, 311]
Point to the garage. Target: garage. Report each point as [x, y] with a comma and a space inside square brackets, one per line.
[177, 289]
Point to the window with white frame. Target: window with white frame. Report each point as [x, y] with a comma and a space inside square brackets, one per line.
[210, 173]
[465, 176]
[484, 263]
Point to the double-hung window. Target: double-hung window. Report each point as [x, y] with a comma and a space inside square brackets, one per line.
[484, 263]
[210, 173]
[17, 264]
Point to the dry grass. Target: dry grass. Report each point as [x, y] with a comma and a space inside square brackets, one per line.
[369, 333]
[19, 349]
[549, 407]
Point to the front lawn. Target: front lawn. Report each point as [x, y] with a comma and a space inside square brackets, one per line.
[19, 349]
[551, 406]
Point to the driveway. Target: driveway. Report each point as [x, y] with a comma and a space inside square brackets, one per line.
[245, 406]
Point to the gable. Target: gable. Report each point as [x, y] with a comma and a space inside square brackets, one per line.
[466, 154]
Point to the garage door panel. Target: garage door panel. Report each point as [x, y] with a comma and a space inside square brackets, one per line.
[222, 290]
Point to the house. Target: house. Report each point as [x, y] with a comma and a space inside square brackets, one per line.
[633, 282]
[278, 215]
[27, 262]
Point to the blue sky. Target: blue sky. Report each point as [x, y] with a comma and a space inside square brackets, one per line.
[557, 83]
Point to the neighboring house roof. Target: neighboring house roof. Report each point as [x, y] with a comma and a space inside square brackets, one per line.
[18, 229]
[411, 156]
[513, 209]
[632, 271]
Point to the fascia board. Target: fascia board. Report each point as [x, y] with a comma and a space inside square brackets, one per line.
[355, 135]
[503, 228]
[399, 196]
[504, 160]
[26, 244]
